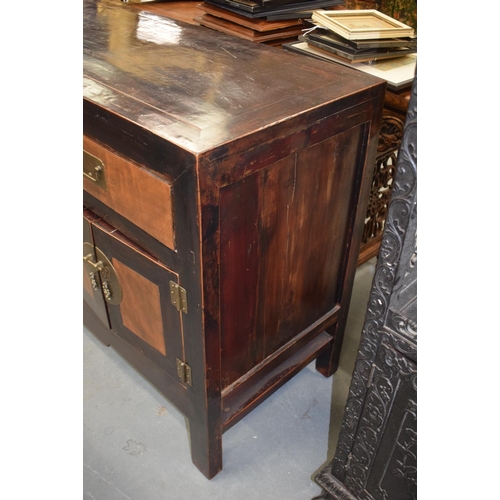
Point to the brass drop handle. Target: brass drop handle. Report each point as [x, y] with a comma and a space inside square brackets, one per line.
[93, 169]
[94, 175]
[98, 266]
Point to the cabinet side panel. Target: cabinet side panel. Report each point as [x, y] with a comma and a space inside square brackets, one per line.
[239, 243]
[314, 239]
[284, 232]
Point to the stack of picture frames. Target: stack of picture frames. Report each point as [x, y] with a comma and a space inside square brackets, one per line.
[273, 22]
[366, 40]
[360, 35]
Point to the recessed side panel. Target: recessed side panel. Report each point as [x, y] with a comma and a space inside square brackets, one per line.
[284, 233]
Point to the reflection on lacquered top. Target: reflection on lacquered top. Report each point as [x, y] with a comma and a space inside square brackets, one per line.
[192, 85]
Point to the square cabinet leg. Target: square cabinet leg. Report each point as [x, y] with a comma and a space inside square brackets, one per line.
[327, 363]
[206, 446]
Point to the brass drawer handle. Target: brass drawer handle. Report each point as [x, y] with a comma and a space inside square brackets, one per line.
[98, 266]
[93, 169]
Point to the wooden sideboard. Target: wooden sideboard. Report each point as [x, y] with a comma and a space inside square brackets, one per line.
[376, 454]
[225, 188]
[391, 130]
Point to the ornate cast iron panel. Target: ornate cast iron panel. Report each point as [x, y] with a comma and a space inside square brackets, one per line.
[376, 451]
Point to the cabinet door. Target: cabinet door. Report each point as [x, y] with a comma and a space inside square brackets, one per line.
[383, 462]
[136, 289]
[92, 290]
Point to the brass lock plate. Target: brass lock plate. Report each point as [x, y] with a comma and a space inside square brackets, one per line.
[102, 273]
[93, 169]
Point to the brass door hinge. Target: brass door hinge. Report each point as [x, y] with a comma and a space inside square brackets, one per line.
[178, 297]
[184, 372]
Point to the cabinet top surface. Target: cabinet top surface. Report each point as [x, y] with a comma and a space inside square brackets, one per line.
[195, 87]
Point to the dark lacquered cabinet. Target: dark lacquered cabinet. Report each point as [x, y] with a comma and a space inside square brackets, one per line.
[225, 187]
[376, 455]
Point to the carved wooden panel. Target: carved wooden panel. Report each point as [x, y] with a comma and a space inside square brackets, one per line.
[380, 196]
[389, 141]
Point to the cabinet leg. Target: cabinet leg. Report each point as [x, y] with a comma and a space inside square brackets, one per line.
[327, 363]
[206, 447]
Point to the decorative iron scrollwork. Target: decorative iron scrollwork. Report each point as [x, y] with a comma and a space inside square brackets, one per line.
[401, 209]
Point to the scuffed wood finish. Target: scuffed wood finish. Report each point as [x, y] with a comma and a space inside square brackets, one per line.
[138, 195]
[268, 158]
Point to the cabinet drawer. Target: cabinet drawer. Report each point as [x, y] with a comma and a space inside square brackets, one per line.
[145, 199]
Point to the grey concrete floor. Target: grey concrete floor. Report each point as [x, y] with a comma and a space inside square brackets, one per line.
[136, 444]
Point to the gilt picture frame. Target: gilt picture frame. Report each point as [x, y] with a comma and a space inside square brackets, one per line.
[361, 24]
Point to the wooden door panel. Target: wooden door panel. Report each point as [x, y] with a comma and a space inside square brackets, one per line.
[92, 291]
[140, 294]
[145, 316]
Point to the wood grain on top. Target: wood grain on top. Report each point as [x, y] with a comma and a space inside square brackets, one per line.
[194, 87]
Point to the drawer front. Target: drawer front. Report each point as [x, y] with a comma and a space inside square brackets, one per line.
[136, 289]
[144, 198]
